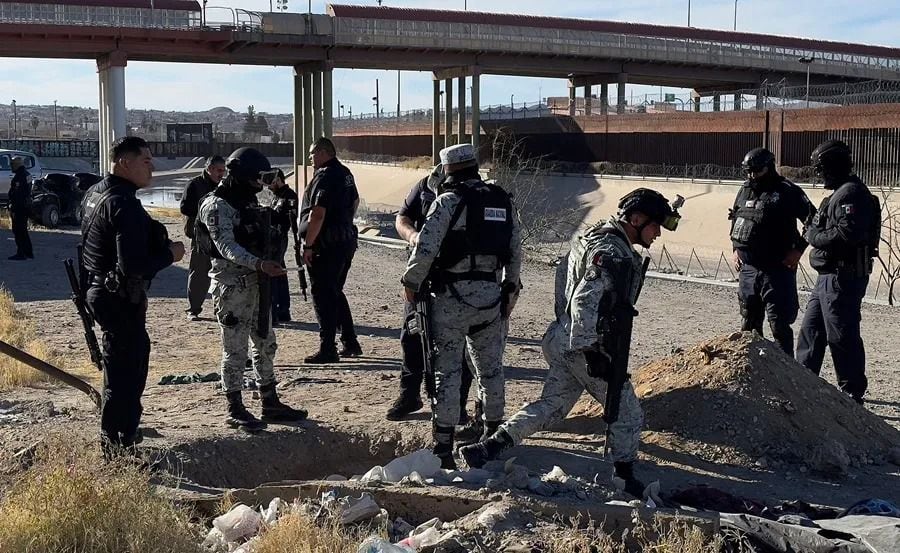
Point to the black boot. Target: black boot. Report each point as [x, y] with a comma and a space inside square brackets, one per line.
[323, 356]
[476, 455]
[407, 403]
[443, 446]
[471, 432]
[275, 411]
[239, 417]
[633, 486]
[351, 349]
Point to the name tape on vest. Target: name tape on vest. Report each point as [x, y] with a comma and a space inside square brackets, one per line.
[495, 214]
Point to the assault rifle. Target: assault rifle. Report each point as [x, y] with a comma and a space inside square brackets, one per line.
[301, 273]
[619, 349]
[87, 321]
[420, 324]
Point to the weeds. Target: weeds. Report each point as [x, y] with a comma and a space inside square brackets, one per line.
[71, 502]
[298, 533]
[662, 536]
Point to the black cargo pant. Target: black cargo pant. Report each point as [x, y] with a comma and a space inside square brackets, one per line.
[327, 276]
[126, 356]
[19, 224]
[413, 371]
[832, 318]
[772, 293]
[281, 297]
[198, 279]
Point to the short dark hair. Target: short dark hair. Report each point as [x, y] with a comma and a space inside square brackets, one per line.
[325, 144]
[125, 146]
[215, 160]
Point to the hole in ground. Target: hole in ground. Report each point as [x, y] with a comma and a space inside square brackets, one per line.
[309, 452]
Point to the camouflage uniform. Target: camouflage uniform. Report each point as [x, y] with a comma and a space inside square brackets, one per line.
[600, 270]
[468, 318]
[236, 299]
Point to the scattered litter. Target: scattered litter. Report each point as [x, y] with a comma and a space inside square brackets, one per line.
[238, 523]
[179, 379]
[379, 545]
[355, 509]
[423, 463]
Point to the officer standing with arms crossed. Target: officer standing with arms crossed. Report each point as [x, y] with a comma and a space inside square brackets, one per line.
[198, 271]
[587, 345]
[844, 236]
[468, 255]
[768, 246]
[234, 231]
[329, 243]
[409, 221]
[123, 249]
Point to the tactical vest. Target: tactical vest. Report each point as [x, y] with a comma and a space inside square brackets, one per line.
[254, 231]
[488, 231]
[759, 215]
[628, 283]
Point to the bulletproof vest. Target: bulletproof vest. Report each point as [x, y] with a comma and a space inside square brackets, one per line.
[426, 198]
[631, 280]
[488, 229]
[254, 231]
[760, 217]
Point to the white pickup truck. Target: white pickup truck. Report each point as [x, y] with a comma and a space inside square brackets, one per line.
[6, 174]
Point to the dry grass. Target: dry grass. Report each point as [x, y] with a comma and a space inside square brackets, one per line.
[5, 221]
[297, 533]
[17, 330]
[164, 212]
[71, 502]
[660, 537]
[422, 162]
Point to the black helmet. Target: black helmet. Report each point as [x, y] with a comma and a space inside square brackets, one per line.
[832, 160]
[247, 164]
[757, 159]
[652, 204]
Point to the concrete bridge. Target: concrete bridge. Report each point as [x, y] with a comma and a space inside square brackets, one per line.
[449, 44]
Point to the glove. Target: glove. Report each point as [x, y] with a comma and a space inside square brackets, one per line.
[598, 363]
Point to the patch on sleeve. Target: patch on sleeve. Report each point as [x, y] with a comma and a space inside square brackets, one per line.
[849, 209]
[593, 273]
[598, 260]
[495, 214]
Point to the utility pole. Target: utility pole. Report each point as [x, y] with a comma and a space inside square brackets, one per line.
[376, 99]
[398, 94]
[15, 120]
[689, 13]
[807, 61]
[55, 120]
[735, 14]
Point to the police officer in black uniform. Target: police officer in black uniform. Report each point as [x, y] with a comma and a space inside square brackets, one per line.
[19, 198]
[844, 236]
[768, 246]
[329, 243]
[123, 250]
[284, 219]
[409, 221]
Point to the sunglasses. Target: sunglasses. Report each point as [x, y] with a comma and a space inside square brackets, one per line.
[670, 223]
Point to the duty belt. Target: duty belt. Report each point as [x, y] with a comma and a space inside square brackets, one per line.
[486, 276]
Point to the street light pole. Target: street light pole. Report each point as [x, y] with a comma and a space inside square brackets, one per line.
[807, 61]
[735, 14]
[15, 120]
[689, 13]
[55, 120]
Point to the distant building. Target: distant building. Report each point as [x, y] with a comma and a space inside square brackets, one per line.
[189, 132]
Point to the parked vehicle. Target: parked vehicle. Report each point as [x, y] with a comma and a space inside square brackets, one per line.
[57, 197]
[6, 174]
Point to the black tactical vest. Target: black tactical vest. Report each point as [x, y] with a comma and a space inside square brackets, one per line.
[489, 222]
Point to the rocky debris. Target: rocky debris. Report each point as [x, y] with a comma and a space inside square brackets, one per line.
[740, 400]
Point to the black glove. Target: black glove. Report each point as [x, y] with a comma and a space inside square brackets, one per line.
[598, 364]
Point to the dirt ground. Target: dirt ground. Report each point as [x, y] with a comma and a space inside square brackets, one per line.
[347, 432]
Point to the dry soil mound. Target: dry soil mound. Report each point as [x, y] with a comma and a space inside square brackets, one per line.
[740, 399]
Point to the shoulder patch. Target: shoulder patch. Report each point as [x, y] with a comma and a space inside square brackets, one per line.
[849, 209]
[593, 273]
[598, 260]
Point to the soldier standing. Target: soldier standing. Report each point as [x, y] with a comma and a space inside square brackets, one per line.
[587, 345]
[768, 246]
[235, 232]
[123, 249]
[198, 272]
[468, 255]
[284, 219]
[844, 236]
[19, 202]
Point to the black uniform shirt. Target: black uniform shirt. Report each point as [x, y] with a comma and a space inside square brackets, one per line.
[19, 190]
[334, 189]
[122, 236]
[780, 204]
[843, 226]
[194, 191]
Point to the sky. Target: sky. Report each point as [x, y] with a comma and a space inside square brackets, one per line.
[198, 86]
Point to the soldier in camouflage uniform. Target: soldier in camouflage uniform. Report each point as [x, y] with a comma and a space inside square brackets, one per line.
[467, 257]
[230, 228]
[601, 275]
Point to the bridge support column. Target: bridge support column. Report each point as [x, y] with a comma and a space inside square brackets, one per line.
[695, 100]
[448, 113]
[717, 102]
[620, 92]
[317, 104]
[461, 112]
[436, 141]
[476, 112]
[604, 98]
[587, 101]
[113, 115]
[299, 153]
[738, 102]
[327, 104]
[571, 100]
[307, 124]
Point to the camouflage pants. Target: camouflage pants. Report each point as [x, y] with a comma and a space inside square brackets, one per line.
[563, 385]
[458, 328]
[237, 310]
